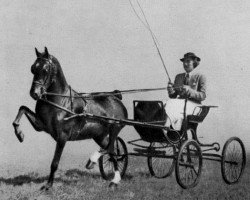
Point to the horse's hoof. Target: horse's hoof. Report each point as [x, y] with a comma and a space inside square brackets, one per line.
[45, 187]
[20, 136]
[113, 186]
[90, 164]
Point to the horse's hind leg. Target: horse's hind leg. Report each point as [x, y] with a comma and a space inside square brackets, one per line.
[33, 119]
[113, 133]
[103, 143]
[117, 177]
[106, 143]
[111, 150]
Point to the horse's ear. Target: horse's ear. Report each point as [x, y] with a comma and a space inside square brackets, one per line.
[38, 54]
[46, 55]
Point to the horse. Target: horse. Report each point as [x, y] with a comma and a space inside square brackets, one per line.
[49, 78]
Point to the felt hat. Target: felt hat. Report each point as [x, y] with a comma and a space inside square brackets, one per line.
[190, 55]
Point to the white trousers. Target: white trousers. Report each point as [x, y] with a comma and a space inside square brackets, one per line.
[175, 111]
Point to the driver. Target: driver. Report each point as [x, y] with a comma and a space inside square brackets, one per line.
[190, 85]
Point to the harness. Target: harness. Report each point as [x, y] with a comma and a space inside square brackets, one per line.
[47, 83]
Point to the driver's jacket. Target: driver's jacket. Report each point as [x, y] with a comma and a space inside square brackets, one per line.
[197, 90]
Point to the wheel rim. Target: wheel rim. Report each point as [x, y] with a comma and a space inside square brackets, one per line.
[233, 160]
[189, 165]
[161, 167]
[106, 165]
[108, 168]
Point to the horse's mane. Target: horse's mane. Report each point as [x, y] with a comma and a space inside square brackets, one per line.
[55, 61]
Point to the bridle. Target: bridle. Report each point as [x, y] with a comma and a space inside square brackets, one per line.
[46, 83]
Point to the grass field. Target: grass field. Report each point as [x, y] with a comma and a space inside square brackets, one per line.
[77, 183]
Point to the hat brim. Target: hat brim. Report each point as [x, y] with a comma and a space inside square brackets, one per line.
[192, 57]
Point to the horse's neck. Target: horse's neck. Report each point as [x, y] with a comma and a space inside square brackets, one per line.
[60, 86]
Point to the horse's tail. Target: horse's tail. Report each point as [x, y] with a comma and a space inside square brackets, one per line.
[117, 94]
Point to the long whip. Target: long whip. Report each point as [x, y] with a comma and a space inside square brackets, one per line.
[146, 24]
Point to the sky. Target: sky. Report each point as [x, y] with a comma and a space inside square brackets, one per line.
[102, 46]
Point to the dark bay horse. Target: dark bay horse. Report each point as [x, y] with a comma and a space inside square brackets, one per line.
[49, 77]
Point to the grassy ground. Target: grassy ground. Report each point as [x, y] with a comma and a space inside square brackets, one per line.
[77, 183]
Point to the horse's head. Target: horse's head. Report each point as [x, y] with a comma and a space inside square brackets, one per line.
[44, 70]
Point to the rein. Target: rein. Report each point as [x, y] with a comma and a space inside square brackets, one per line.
[57, 106]
[44, 99]
[104, 118]
[85, 96]
[102, 94]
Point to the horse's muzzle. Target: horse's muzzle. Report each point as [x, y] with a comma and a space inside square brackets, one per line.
[36, 93]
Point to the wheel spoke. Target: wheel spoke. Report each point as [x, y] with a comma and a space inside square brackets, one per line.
[106, 160]
[106, 165]
[188, 167]
[161, 167]
[196, 172]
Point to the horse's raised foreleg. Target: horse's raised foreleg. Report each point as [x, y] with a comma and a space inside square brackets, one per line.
[33, 119]
[54, 165]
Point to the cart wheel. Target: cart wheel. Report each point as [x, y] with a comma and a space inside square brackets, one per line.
[188, 164]
[162, 164]
[233, 160]
[121, 154]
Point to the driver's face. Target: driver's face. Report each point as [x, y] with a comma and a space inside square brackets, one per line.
[188, 65]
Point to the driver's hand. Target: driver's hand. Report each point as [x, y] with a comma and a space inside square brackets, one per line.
[186, 89]
[170, 88]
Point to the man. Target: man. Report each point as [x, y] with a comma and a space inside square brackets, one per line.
[190, 85]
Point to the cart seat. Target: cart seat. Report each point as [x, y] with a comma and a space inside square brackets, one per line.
[198, 117]
[150, 112]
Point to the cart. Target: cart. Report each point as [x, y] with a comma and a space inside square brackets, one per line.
[170, 150]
